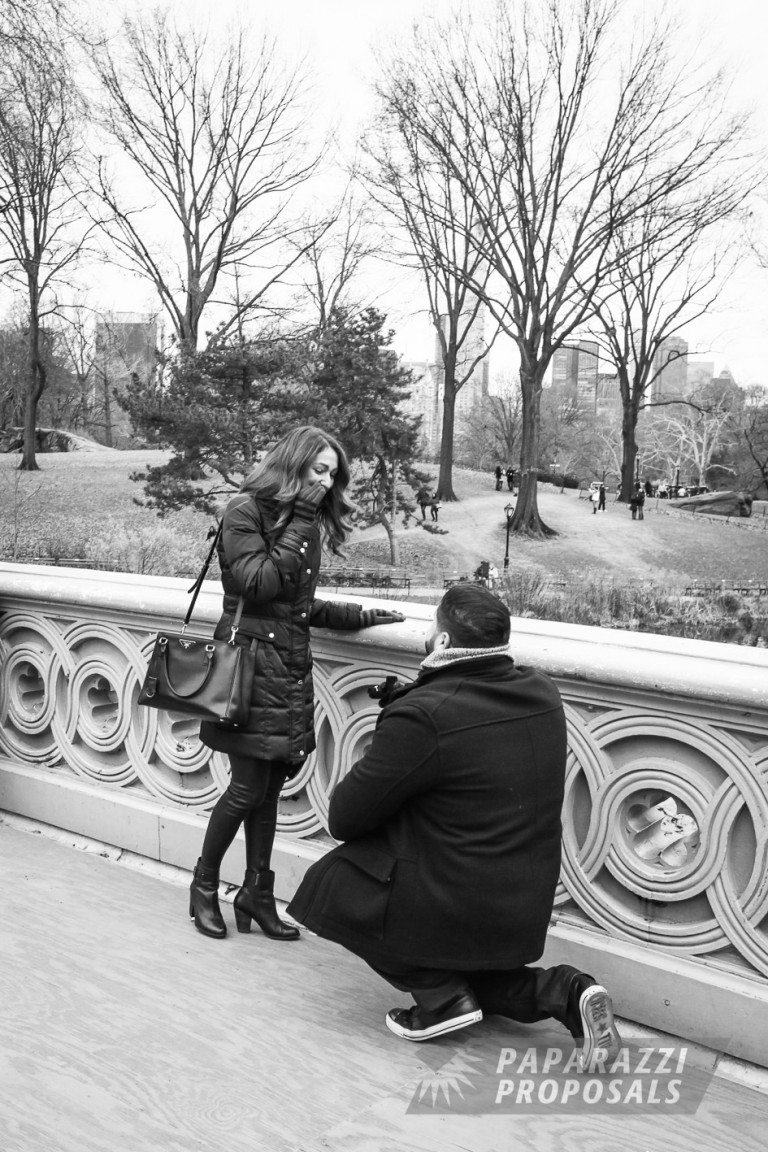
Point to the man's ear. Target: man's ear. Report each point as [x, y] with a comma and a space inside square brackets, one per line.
[442, 641]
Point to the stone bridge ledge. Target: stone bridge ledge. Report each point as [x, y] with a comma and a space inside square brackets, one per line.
[664, 884]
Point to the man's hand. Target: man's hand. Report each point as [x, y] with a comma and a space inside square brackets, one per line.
[309, 499]
[384, 690]
[372, 617]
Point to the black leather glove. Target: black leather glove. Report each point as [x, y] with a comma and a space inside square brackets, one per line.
[371, 617]
[308, 501]
[384, 691]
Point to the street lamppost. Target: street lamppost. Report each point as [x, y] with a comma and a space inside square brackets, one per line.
[509, 510]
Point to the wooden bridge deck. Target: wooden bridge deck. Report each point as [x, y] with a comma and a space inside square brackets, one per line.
[124, 1030]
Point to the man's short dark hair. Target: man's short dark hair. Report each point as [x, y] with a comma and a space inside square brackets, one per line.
[473, 617]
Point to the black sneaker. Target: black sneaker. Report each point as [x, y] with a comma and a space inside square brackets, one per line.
[602, 1042]
[420, 1024]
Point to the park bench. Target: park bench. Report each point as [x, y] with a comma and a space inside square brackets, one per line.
[376, 579]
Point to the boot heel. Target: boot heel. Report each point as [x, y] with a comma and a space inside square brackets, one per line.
[204, 902]
[242, 920]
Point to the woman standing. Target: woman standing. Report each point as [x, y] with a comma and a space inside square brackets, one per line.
[269, 555]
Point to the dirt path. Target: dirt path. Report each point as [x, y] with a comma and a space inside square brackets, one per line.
[608, 541]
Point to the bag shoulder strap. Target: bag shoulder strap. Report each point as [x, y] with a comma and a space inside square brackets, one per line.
[195, 589]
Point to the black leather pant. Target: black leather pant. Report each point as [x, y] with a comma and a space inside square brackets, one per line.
[250, 800]
[523, 994]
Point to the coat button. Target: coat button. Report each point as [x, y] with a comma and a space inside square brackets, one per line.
[299, 681]
[309, 571]
[303, 615]
[271, 635]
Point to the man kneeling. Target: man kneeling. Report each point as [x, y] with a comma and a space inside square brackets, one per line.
[451, 820]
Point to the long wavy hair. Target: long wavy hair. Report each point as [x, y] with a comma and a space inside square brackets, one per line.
[278, 477]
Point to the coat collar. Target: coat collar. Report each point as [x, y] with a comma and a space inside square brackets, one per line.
[476, 666]
[442, 657]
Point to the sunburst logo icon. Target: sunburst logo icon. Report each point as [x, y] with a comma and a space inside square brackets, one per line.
[451, 1078]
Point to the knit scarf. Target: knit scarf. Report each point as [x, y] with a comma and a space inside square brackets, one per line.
[442, 657]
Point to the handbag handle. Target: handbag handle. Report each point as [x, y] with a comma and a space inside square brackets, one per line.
[195, 589]
[207, 667]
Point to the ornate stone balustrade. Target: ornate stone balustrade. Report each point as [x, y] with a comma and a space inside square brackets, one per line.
[664, 887]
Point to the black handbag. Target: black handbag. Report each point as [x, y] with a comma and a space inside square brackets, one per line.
[199, 676]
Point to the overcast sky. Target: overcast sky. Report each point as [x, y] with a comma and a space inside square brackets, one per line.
[338, 36]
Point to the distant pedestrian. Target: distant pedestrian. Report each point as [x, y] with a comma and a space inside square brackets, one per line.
[499, 476]
[423, 499]
[482, 573]
[637, 501]
[601, 498]
[648, 488]
[510, 478]
[434, 508]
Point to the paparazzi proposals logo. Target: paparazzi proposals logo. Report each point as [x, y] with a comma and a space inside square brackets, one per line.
[536, 1079]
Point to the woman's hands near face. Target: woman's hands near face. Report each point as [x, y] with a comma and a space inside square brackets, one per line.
[308, 501]
[313, 493]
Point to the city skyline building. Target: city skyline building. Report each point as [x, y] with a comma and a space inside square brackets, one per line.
[126, 345]
[700, 375]
[565, 367]
[586, 378]
[669, 370]
[426, 399]
[575, 371]
[607, 393]
[474, 348]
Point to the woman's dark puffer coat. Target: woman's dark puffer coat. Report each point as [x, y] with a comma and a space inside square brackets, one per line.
[277, 576]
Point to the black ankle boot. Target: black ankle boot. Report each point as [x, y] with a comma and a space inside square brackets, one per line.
[256, 901]
[204, 902]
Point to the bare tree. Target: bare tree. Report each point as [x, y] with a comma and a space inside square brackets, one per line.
[568, 441]
[606, 462]
[13, 370]
[28, 24]
[76, 333]
[491, 432]
[40, 217]
[669, 264]
[333, 248]
[694, 435]
[432, 211]
[216, 138]
[755, 433]
[559, 133]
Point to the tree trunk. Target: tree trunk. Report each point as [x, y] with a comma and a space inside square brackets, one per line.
[526, 518]
[628, 449]
[394, 543]
[190, 322]
[107, 413]
[445, 490]
[35, 386]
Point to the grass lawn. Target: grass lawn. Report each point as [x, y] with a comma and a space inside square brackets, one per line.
[83, 504]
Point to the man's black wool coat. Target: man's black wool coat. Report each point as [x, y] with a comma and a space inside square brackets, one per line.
[451, 823]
